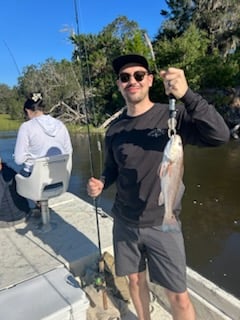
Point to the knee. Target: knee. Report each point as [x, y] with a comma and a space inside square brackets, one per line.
[179, 300]
[137, 279]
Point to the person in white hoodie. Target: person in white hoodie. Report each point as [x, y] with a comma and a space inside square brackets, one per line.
[40, 136]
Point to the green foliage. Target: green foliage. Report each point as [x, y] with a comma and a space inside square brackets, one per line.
[10, 102]
[6, 94]
[87, 84]
[16, 109]
[219, 73]
[218, 18]
[120, 37]
[178, 19]
[55, 80]
[185, 52]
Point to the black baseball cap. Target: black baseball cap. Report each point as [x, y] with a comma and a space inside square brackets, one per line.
[123, 60]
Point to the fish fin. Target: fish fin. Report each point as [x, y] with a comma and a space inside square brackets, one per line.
[164, 169]
[170, 224]
[169, 169]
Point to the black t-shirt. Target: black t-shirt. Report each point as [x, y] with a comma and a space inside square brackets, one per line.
[134, 149]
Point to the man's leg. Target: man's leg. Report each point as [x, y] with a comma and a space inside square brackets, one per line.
[139, 292]
[182, 308]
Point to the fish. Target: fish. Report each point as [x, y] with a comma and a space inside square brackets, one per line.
[172, 187]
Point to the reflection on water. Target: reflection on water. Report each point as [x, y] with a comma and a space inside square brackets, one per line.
[210, 215]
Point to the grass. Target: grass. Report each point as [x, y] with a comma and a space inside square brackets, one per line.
[73, 128]
[7, 124]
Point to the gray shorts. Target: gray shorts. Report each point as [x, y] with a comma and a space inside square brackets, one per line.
[163, 252]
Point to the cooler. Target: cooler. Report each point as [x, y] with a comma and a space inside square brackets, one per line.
[55, 295]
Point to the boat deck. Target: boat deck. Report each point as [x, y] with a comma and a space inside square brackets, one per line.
[28, 253]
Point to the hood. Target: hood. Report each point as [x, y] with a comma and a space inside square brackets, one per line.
[49, 125]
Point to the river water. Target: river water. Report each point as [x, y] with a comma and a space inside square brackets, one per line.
[211, 204]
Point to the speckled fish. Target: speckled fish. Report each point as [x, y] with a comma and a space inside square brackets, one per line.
[172, 187]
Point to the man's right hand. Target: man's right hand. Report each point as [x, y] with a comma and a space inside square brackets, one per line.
[94, 187]
[174, 82]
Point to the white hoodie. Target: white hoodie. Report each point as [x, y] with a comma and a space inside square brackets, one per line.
[39, 137]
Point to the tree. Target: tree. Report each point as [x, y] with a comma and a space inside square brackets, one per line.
[84, 89]
[177, 18]
[95, 54]
[185, 52]
[55, 80]
[220, 19]
[5, 94]
[11, 102]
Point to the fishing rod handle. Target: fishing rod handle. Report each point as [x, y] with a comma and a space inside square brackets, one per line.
[103, 289]
[104, 297]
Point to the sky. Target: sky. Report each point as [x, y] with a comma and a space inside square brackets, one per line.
[33, 31]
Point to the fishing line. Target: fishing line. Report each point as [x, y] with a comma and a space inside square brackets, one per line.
[148, 41]
[85, 108]
[86, 111]
[99, 146]
[172, 100]
[84, 91]
[100, 280]
[99, 209]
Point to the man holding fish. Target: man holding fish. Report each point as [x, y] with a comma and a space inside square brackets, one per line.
[146, 163]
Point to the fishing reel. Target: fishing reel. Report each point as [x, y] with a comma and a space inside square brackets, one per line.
[101, 212]
[99, 282]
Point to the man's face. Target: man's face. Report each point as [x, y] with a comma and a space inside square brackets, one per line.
[134, 83]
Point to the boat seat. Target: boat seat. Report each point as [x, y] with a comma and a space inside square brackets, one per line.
[49, 178]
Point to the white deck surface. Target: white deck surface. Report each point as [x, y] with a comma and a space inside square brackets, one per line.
[26, 252]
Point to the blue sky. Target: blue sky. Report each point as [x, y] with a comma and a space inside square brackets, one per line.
[32, 31]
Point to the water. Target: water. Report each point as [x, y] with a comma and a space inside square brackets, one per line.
[210, 214]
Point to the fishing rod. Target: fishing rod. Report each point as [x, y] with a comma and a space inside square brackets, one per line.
[100, 211]
[100, 281]
[13, 58]
[172, 122]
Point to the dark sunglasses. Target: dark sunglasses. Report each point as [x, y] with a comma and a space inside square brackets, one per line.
[138, 76]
